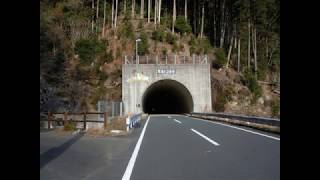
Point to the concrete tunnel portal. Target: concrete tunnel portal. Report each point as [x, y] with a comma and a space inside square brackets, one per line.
[167, 97]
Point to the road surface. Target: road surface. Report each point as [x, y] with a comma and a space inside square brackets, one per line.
[177, 147]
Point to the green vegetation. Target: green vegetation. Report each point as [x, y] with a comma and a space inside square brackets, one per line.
[252, 83]
[275, 107]
[193, 45]
[69, 126]
[221, 58]
[102, 76]
[164, 51]
[206, 46]
[171, 38]
[224, 95]
[99, 94]
[181, 47]
[73, 46]
[166, 21]
[143, 45]
[175, 47]
[182, 26]
[87, 49]
[127, 30]
[199, 45]
[192, 50]
[221, 101]
[140, 25]
[159, 35]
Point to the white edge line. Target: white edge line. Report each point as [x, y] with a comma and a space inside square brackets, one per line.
[177, 121]
[127, 174]
[205, 137]
[239, 129]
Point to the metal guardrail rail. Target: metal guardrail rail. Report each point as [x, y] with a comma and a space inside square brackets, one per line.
[50, 118]
[251, 119]
[166, 59]
[133, 120]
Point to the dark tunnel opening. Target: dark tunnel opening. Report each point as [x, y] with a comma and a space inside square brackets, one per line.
[167, 97]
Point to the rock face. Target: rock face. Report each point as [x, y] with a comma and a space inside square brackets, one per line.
[49, 101]
[45, 95]
[260, 100]
[228, 83]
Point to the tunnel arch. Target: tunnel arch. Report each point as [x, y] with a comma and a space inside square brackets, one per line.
[167, 96]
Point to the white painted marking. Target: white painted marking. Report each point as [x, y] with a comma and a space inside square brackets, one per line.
[272, 137]
[160, 115]
[128, 172]
[177, 121]
[169, 116]
[205, 137]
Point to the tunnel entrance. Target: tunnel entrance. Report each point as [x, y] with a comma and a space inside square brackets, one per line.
[167, 97]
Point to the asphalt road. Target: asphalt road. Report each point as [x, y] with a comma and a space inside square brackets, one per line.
[171, 147]
[78, 157]
[195, 149]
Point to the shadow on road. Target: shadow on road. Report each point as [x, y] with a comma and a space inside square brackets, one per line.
[53, 153]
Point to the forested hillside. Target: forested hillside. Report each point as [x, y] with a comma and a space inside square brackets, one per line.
[83, 42]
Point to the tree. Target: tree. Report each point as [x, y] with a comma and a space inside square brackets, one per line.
[226, 23]
[112, 14]
[142, 9]
[255, 50]
[239, 55]
[92, 17]
[181, 25]
[104, 18]
[149, 5]
[185, 9]
[143, 46]
[229, 52]
[202, 21]
[159, 11]
[223, 24]
[116, 14]
[155, 11]
[87, 49]
[132, 8]
[173, 15]
[97, 16]
[249, 57]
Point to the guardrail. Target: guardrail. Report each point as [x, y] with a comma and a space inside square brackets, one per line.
[166, 59]
[250, 119]
[133, 121]
[50, 118]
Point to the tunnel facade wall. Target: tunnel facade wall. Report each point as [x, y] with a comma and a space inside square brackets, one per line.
[195, 77]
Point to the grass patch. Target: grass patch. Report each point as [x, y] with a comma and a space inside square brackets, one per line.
[118, 123]
[69, 126]
[275, 108]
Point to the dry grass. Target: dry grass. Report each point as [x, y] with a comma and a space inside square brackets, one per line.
[97, 132]
[116, 124]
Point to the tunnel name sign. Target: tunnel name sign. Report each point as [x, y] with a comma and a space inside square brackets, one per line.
[166, 71]
[138, 77]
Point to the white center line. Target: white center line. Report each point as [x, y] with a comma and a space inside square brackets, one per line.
[272, 137]
[177, 121]
[127, 174]
[205, 137]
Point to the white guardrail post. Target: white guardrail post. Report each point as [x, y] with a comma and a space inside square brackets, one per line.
[131, 121]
